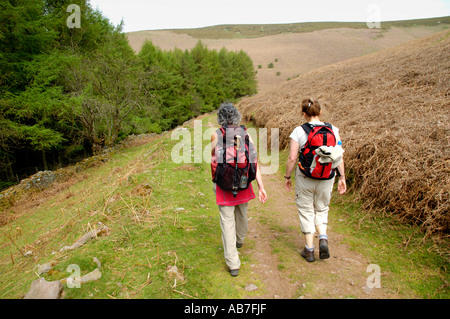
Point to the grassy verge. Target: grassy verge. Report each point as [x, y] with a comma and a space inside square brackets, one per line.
[160, 214]
[407, 262]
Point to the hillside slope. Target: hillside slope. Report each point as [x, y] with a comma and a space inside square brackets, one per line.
[393, 111]
[293, 54]
[162, 238]
[233, 31]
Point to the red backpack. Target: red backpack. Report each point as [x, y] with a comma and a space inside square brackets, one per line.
[233, 164]
[308, 161]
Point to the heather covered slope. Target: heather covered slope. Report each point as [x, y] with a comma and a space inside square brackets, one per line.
[393, 111]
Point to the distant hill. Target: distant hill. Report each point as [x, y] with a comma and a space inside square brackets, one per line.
[291, 53]
[393, 111]
[238, 31]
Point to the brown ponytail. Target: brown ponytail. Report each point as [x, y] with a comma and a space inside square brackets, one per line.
[311, 108]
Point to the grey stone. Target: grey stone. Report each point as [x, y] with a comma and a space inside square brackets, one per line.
[174, 272]
[93, 275]
[42, 269]
[42, 289]
[251, 287]
[86, 237]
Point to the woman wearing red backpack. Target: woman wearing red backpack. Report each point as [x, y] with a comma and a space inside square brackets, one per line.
[232, 205]
[317, 143]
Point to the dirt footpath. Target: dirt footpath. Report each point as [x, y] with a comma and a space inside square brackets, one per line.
[275, 241]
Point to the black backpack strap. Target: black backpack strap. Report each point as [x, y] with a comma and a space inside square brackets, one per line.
[331, 129]
[307, 128]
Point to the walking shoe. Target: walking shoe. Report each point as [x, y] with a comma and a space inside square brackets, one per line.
[238, 245]
[324, 253]
[234, 272]
[308, 255]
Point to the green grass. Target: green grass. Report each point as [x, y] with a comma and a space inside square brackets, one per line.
[408, 262]
[136, 194]
[259, 30]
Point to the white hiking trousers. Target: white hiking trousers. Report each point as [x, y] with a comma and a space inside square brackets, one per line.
[313, 199]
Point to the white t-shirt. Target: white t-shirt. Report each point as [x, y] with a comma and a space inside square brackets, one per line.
[299, 135]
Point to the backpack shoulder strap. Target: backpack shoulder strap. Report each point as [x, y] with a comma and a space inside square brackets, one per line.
[307, 128]
[223, 129]
[328, 125]
[221, 133]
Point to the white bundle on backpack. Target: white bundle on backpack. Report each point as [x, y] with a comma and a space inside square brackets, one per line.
[330, 154]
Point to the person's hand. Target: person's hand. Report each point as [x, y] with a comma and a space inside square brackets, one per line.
[287, 184]
[342, 185]
[262, 195]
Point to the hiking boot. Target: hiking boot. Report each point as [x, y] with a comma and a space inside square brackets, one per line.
[308, 255]
[324, 253]
[239, 245]
[234, 272]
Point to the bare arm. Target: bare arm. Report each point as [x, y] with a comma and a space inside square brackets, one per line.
[291, 162]
[213, 142]
[262, 192]
[342, 185]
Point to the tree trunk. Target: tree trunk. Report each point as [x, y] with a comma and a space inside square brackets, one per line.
[59, 161]
[9, 169]
[114, 130]
[44, 161]
[97, 145]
